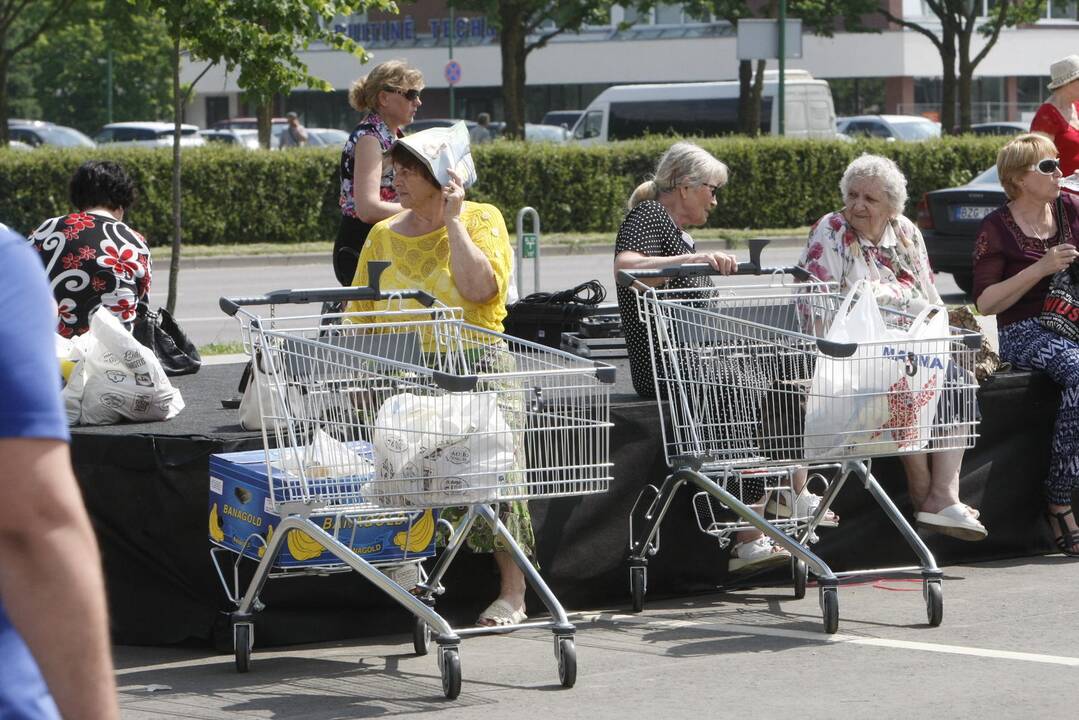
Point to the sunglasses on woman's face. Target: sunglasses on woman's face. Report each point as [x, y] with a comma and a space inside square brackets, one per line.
[410, 95]
[1048, 166]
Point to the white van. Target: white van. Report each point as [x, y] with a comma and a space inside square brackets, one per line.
[623, 112]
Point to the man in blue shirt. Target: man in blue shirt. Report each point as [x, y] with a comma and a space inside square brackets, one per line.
[53, 627]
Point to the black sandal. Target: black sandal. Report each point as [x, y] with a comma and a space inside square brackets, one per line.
[1067, 543]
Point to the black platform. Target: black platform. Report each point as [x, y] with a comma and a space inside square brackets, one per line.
[146, 488]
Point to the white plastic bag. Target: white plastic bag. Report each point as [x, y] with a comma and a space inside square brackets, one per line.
[885, 395]
[440, 450]
[117, 378]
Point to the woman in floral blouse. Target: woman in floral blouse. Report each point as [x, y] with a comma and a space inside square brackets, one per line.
[91, 257]
[870, 239]
[389, 96]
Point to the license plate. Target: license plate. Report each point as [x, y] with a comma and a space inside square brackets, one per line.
[963, 213]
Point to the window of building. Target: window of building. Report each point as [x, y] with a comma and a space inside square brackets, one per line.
[668, 14]
[1062, 10]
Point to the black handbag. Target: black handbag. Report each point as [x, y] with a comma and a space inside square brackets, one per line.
[159, 332]
[1060, 311]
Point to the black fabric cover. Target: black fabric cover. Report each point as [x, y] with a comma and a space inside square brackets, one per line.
[146, 489]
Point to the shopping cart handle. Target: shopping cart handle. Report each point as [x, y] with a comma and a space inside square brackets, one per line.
[323, 295]
[836, 349]
[626, 278]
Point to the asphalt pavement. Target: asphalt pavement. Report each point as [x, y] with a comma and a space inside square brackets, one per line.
[1008, 648]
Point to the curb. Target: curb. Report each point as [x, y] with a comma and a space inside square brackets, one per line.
[283, 260]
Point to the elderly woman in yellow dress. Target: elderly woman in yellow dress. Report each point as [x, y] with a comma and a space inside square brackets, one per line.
[870, 239]
[459, 252]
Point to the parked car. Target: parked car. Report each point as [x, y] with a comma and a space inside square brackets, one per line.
[1004, 127]
[148, 134]
[330, 137]
[889, 127]
[565, 118]
[38, 132]
[236, 137]
[535, 132]
[949, 220]
[428, 123]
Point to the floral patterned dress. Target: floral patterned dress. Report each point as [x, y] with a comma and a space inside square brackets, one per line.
[897, 268]
[373, 125]
[93, 260]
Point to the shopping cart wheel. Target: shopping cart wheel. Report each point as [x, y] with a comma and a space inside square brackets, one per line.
[421, 637]
[243, 638]
[567, 661]
[800, 573]
[638, 584]
[934, 601]
[829, 605]
[449, 664]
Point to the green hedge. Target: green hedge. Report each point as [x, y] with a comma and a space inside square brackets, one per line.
[232, 195]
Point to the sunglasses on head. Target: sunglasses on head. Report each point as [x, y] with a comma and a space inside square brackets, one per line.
[410, 95]
[1048, 166]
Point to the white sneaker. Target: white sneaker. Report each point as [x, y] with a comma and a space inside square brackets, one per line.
[805, 506]
[758, 553]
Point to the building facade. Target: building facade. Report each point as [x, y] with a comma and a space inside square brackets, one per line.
[892, 70]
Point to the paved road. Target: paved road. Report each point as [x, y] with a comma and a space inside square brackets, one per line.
[200, 288]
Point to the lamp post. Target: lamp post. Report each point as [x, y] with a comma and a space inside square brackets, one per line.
[781, 94]
[452, 32]
[108, 84]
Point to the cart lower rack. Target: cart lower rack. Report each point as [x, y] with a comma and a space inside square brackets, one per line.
[388, 416]
[753, 397]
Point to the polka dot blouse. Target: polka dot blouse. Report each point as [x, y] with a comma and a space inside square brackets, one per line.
[648, 229]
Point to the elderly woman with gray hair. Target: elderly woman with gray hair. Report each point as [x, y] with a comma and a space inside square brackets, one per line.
[871, 240]
[681, 193]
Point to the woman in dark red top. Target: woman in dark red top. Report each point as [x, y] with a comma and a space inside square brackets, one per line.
[1017, 251]
[1059, 117]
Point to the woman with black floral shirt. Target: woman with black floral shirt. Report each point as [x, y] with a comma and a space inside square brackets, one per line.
[390, 97]
[91, 257]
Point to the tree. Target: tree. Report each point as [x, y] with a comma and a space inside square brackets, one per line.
[62, 77]
[21, 23]
[819, 17]
[524, 26]
[249, 35]
[958, 21]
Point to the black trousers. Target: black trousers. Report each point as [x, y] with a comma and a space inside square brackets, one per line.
[351, 235]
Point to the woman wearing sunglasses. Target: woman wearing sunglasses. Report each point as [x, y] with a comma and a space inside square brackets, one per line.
[1019, 248]
[389, 97]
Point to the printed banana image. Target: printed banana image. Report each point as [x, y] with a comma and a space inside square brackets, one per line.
[419, 537]
[269, 536]
[302, 546]
[216, 532]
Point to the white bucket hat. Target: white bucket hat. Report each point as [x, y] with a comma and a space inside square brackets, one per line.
[1064, 71]
[441, 150]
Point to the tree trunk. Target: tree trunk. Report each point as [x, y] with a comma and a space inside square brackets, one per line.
[745, 77]
[512, 46]
[966, 71]
[265, 121]
[755, 100]
[947, 81]
[177, 116]
[4, 134]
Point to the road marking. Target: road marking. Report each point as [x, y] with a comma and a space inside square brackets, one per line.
[820, 637]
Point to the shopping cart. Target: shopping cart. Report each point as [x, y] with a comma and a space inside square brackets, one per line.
[378, 416]
[734, 372]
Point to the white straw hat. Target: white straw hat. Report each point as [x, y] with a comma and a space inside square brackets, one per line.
[1064, 71]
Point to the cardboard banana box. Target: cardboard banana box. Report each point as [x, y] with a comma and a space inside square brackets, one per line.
[240, 507]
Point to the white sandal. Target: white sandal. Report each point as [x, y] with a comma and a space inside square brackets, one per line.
[805, 506]
[757, 553]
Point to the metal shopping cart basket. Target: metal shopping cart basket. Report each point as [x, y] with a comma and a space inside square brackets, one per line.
[743, 375]
[375, 417]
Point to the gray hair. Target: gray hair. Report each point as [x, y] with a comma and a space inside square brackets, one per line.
[882, 169]
[683, 164]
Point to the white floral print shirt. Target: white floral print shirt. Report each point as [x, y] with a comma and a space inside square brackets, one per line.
[898, 268]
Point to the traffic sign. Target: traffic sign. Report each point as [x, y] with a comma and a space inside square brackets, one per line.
[528, 245]
[453, 72]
